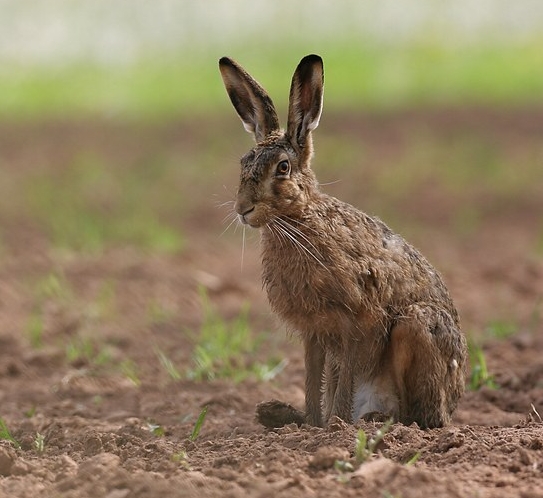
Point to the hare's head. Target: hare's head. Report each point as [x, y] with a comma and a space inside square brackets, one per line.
[276, 178]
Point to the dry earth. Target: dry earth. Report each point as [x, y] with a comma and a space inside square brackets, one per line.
[85, 425]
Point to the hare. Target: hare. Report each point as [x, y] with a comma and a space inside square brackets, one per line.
[380, 332]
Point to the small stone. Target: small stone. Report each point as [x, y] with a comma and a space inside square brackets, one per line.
[93, 444]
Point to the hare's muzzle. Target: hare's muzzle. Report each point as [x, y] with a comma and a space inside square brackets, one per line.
[244, 212]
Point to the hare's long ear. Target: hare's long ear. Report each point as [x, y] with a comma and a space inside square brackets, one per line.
[252, 103]
[305, 102]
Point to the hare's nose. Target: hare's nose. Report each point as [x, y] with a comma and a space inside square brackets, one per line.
[244, 206]
[245, 212]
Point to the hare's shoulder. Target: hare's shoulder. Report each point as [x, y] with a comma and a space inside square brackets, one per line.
[389, 265]
[355, 233]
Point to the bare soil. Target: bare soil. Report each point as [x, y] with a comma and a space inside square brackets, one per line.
[96, 423]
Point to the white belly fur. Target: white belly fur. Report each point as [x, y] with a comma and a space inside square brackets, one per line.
[374, 397]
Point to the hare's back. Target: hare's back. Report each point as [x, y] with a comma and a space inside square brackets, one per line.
[391, 273]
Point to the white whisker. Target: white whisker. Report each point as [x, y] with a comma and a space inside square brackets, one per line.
[234, 219]
[231, 214]
[284, 236]
[329, 183]
[229, 191]
[242, 247]
[301, 224]
[237, 225]
[301, 234]
[289, 232]
[224, 204]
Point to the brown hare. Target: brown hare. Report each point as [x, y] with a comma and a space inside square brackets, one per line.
[380, 332]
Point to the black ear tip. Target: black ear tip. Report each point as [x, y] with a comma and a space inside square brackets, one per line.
[311, 59]
[225, 61]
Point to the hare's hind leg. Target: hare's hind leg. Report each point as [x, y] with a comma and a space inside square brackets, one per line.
[428, 354]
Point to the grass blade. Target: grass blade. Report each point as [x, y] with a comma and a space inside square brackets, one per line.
[198, 425]
[6, 435]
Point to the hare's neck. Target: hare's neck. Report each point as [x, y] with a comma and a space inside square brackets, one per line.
[297, 234]
[293, 246]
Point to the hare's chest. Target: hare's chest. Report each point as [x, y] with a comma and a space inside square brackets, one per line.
[314, 285]
[309, 297]
[295, 291]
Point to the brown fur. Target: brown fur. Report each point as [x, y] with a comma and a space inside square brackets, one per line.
[378, 325]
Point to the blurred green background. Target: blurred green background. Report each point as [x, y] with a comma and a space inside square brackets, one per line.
[117, 128]
[134, 59]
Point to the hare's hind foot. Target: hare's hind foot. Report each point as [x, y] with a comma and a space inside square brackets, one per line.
[427, 354]
[274, 414]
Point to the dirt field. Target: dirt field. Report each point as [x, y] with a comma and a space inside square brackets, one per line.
[95, 344]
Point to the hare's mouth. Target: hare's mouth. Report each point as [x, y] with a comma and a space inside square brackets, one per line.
[251, 218]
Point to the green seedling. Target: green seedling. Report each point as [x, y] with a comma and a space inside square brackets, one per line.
[130, 370]
[30, 412]
[414, 459]
[39, 443]
[34, 329]
[156, 429]
[343, 466]
[54, 292]
[223, 349]
[198, 425]
[361, 449]
[104, 305]
[268, 371]
[168, 365]
[157, 313]
[479, 372]
[182, 459]
[83, 349]
[221, 346]
[53, 286]
[6, 434]
[365, 448]
[500, 329]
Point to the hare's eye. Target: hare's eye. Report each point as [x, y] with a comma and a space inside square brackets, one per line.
[283, 168]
